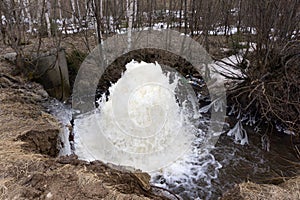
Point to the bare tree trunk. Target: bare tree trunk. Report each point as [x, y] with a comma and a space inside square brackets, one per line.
[170, 14]
[139, 13]
[97, 5]
[149, 11]
[39, 11]
[225, 16]
[135, 9]
[101, 9]
[88, 5]
[21, 10]
[13, 28]
[206, 25]
[47, 17]
[78, 9]
[185, 17]
[165, 9]
[107, 17]
[26, 7]
[192, 20]
[73, 11]
[114, 15]
[180, 14]
[130, 20]
[59, 10]
[198, 18]
[2, 25]
[240, 16]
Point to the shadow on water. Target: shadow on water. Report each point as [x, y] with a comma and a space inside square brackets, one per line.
[252, 163]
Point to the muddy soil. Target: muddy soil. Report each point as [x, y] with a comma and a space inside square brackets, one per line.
[29, 166]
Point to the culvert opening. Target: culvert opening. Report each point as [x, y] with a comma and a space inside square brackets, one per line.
[114, 71]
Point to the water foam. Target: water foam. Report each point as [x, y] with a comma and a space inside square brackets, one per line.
[147, 124]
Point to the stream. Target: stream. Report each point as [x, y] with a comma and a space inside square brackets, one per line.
[175, 154]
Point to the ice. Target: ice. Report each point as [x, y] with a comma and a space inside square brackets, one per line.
[63, 113]
[217, 105]
[239, 133]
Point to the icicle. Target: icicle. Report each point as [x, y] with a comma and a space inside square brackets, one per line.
[265, 142]
[233, 110]
[240, 134]
[205, 109]
[217, 105]
[251, 121]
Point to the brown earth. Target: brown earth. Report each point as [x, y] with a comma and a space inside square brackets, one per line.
[29, 168]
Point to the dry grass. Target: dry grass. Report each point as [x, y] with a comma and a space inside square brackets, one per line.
[289, 190]
[86, 178]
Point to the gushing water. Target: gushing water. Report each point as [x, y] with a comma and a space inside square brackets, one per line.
[150, 122]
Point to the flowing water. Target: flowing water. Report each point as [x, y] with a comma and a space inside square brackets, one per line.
[146, 124]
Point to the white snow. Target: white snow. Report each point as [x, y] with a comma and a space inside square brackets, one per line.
[49, 195]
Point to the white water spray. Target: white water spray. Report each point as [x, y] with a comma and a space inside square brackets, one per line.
[147, 125]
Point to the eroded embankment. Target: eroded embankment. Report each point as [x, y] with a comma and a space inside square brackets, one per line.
[29, 168]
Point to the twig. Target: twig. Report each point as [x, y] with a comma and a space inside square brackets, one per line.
[161, 188]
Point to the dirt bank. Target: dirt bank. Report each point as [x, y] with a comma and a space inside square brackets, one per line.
[29, 168]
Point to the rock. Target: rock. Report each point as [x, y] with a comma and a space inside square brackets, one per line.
[10, 56]
[42, 93]
[143, 179]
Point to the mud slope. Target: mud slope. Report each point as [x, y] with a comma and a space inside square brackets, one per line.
[29, 168]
